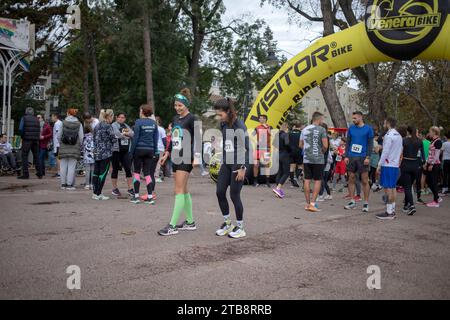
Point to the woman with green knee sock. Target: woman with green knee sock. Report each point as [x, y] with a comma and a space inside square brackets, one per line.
[181, 150]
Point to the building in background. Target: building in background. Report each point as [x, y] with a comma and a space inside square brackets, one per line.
[313, 101]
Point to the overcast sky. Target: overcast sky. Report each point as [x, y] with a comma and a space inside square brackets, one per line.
[290, 37]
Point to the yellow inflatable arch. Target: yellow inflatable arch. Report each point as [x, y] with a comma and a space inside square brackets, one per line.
[392, 30]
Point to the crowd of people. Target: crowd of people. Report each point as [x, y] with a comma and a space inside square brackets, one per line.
[327, 161]
[363, 160]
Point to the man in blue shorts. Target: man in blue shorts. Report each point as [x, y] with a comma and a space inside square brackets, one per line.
[357, 158]
[389, 166]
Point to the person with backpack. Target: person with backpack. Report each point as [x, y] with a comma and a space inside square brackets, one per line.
[70, 139]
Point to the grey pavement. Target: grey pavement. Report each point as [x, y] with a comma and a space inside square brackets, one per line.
[288, 254]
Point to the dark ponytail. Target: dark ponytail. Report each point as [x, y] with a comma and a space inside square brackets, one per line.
[227, 105]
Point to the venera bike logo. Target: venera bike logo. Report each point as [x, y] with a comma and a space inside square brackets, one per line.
[402, 29]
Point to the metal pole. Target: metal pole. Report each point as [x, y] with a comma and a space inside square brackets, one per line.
[5, 67]
[11, 70]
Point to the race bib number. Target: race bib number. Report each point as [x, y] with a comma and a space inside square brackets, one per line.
[176, 143]
[124, 142]
[356, 148]
[229, 147]
[267, 156]
[338, 158]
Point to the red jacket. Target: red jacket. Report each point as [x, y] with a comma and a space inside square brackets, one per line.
[46, 136]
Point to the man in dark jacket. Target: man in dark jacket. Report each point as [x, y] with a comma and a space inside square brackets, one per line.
[30, 131]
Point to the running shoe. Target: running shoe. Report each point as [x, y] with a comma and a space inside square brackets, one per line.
[347, 197]
[365, 208]
[225, 229]
[94, 197]
[440, 200]
[70, 188]
[149, 200]
[168, 231]
[328, 197]
[411, 210]
[205, 173]
[312, 207]
[87, 187]
[321, 199]
[350, 205]
[280, 193]
[63, 186]
[186, 226]
[385, 216]
[419, 200]
[135, 200]
[294, 183]
[154, 195]
[103, 198]
[405, 209]
[357, 198]
[158, 180]
[237, 232]
[433, 204]
[116, 192]
[130, 192]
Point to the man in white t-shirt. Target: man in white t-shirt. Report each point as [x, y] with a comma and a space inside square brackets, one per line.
[389, 166]
[159, 176]
[57, 127]
[446, 163]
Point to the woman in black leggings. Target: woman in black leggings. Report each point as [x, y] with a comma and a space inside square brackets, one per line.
[432, 167]
[121, 155]
[145, 142]
[285, 160]
[104, 139]
[233, 168]
[410, 167]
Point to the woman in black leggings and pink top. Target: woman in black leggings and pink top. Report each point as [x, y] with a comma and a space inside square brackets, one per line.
[233, 168]
[431, 168]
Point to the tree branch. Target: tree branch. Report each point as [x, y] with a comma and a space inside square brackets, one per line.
[186, 9]
[213, 11]
[303, 13]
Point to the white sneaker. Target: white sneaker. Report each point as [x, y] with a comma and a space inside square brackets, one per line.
[206, 173]
[328, 197]
[71, 188]
[102, 197]
[87, 187]
[224, 229]
[237, 233]
[320, 198]
[95, 197]
[158, 180]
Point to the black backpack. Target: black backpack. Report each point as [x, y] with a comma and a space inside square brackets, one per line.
[70, 133]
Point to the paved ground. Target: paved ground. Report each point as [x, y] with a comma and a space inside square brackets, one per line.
[288, 254]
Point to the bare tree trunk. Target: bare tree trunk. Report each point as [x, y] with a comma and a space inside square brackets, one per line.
[195, 60]
[85, 72]
[328, 88]
[148, 58]
[97, 91]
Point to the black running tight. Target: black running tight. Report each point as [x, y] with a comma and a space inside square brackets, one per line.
[228, 178]
[101, 169]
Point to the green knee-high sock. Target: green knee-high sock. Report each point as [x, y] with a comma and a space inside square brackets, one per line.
[188, 207]
[178, 207]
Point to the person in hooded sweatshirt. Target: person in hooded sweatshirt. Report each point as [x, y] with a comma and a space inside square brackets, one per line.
[70, 138]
